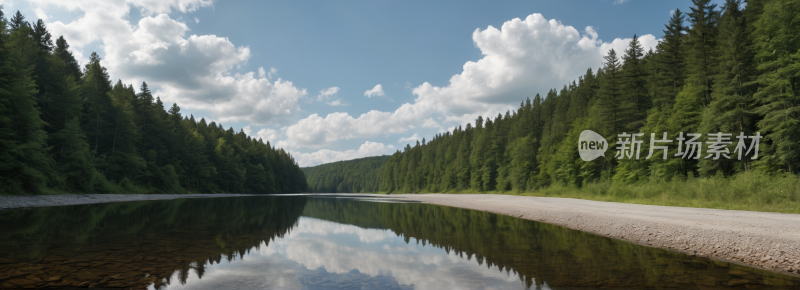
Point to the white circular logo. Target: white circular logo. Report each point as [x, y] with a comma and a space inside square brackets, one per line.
[591, 145]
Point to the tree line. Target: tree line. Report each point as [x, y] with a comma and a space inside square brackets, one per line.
[732, 69]
[357, 175]
[67, 129]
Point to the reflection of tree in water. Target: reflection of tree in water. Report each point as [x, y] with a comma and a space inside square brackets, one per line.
[542, 253]
[134, 244]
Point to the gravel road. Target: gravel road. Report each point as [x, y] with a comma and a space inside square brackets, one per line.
[766, 240]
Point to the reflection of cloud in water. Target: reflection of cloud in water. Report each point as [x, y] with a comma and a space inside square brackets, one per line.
[311, 257]
[325, 228]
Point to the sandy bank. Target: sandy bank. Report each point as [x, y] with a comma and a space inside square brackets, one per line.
[28, 201]
[767, 240]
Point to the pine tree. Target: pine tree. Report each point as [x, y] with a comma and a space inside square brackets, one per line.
[62, 52]
[18, 21]
[778, 95]
[75, 166]
[635, 100]
[610, 95]
[702, 39]
[671, 57]
[24, 165]
[98, 115]
[732, 105]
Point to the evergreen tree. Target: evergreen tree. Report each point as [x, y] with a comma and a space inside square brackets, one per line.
[778, 95]
[18, 21]
[63, 53]
[635, 101]
[672, 57]
[610, 96]
[732, 105]
[24, 165]
[702, 39]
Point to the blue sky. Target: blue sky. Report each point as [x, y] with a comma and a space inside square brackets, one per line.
[336, 80]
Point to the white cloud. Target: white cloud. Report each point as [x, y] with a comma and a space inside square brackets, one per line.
[272, 71]
[267, 135]
[376, 91]
[247, 130]
[317, 132]
[41, 14]
[620, 2]
[328, 156]
[411, 139]
[408, 85]
[8, 6]
[196, 20]
[620, 45]
[338, 102]
[522, 58]
[327, 93]
[196, 71]
[430, 123]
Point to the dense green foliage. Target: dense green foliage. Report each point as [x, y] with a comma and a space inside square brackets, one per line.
[357, 175]
[732, 69]
[71, 130]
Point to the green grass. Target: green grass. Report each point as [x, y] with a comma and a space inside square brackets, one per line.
[750, 191]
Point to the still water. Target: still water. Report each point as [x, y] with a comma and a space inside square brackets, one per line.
[330, 242]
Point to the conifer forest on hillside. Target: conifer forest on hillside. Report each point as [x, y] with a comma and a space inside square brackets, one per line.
[733, 69]
[64, 128]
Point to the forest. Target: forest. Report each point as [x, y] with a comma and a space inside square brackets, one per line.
[64, 128]
[358, 175]
[731, 69]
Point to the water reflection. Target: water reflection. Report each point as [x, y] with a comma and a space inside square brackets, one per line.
[331, 243]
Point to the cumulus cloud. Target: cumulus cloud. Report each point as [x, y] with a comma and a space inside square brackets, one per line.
[327, 93]
[620, 45]
[430, 123]
[376, 91]
[196, 71]
[328, 156]
[267, 135]
[327, 96]
[521, 58]
[413, 138]
[317, 132]
[338, 102]
[196, 20]
[247, 130]
[41, 14]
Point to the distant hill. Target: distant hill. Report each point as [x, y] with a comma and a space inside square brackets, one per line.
[358, 175]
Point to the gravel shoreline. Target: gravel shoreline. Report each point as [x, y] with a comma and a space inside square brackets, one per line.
[761, 239]
[765, 240]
